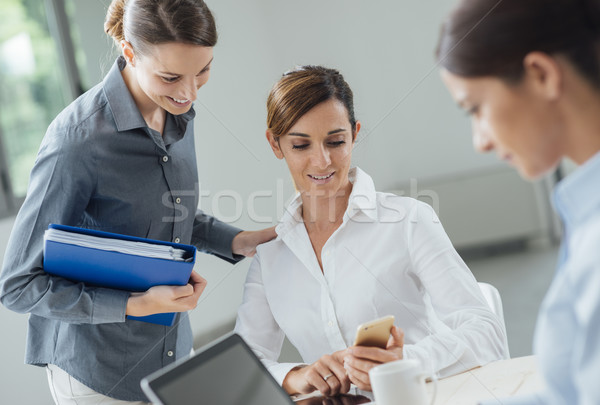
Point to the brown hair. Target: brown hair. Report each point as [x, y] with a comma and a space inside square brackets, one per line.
[300, 90]
[150, 22]
[492, 37]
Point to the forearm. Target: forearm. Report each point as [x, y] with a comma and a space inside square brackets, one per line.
[213, 236]
[56, 298]
[472, 344]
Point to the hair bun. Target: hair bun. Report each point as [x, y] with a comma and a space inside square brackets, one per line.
[113, 24]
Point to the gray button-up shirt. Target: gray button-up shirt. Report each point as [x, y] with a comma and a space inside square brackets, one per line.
[101, 167]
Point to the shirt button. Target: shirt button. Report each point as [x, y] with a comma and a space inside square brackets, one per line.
[178, 200]
[330, 323]
[170, 353]
[165, 158]
[176, 240]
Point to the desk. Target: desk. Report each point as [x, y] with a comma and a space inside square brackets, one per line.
[499, 379]
[495, 380]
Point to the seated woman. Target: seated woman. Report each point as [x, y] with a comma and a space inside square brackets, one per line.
[346, 254]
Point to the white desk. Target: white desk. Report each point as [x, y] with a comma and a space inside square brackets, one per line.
[499, 379]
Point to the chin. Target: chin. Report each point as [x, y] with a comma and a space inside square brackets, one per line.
[533, 173]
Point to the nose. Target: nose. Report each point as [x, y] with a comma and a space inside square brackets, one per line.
[189, 90]
[321, 158]
[481, 140]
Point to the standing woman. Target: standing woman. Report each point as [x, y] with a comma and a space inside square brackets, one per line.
[120, 158]
[528, 73]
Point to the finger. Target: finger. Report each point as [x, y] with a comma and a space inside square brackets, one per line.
[339, 375]
[372, 354]
[396, 339]
[315, 379]
[198, 283]
[339, 355]
[358, 377]
[182, 291]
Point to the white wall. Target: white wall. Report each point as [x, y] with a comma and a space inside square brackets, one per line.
[385, 49]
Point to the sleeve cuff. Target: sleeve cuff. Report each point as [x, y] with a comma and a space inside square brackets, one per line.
[418, 353]
[109, 305]
[280, 370]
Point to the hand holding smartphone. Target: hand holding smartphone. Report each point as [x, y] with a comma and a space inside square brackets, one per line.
[374, 333]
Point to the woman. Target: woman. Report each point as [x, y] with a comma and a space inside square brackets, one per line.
[121, 159]
[346, 254]
[533, 93]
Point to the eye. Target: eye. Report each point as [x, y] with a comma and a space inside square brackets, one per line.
[206, 69]
[170, 79]
[300, 147]
[335, 144]
[473, 110]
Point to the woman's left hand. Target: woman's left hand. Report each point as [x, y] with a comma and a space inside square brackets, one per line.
[245, 242]
[360, 359]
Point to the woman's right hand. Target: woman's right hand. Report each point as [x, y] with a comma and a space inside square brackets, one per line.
[326, 375]
[166, 298]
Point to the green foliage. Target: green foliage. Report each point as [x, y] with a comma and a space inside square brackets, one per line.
[29, 100]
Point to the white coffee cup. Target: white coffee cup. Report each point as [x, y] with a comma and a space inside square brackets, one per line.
[400, 382]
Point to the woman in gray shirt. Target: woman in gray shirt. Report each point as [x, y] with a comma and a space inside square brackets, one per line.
[121, 159]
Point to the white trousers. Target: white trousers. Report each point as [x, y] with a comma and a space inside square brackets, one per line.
[68, 391]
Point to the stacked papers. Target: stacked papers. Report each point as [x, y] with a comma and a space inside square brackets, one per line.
[116, 245]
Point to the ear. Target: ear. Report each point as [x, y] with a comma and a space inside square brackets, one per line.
[544, 73]
[274, 145]
[356, 131]
[128, 53]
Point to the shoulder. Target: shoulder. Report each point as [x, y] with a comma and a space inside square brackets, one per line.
[583, 245]
[392, 206]
[81, 117]
[270, 249]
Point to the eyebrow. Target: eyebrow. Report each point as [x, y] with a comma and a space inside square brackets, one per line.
[333, 132]
[177, 74]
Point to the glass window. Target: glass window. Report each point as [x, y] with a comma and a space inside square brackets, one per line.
[33, 86]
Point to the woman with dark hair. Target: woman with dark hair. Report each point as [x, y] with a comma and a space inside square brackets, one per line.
[346, 254]
[528, 73]
[121, 158]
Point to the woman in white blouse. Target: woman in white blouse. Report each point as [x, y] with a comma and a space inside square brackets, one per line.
[346, 254]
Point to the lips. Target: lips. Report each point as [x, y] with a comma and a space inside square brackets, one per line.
[179, 103]
[323, 177]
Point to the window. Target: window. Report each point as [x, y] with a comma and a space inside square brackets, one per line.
[38, 78]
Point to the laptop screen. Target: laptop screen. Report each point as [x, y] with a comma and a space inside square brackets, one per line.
[228, 372]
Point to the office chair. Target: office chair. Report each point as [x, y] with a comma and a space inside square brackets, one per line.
[492, 297]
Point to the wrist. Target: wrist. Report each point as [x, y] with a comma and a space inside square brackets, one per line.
[135, 305]
[289, 382]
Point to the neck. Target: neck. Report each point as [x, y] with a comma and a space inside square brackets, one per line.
[153, 114]
[581, 118]
[324, 212]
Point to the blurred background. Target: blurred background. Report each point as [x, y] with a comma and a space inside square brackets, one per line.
[414, 141]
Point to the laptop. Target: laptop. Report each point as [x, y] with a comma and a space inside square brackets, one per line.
[226, 372]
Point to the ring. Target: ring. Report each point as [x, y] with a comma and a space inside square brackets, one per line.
[327, 377]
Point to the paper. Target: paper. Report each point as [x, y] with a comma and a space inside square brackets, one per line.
[116, 245]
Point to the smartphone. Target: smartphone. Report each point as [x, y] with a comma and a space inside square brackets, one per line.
[374, 333]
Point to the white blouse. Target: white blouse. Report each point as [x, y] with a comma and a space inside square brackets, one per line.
[390, 256]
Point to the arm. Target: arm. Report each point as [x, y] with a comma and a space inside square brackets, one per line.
[231, 244]
[585, 279]
[256, 324]
[61, 183]
[475, 335]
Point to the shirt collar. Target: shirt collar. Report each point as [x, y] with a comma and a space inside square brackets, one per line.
[363, 199]
[578, 196]
[126, 113]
